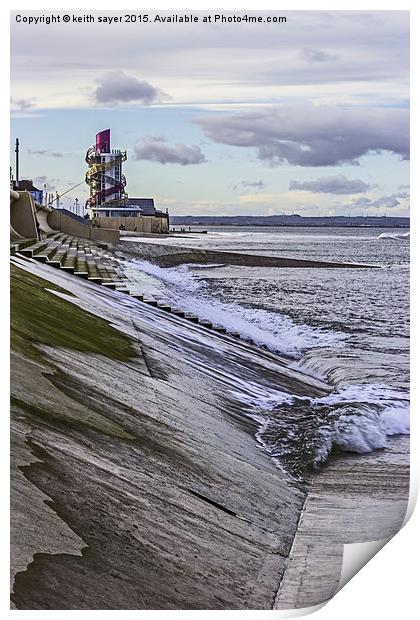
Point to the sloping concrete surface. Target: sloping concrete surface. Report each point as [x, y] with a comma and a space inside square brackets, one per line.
[151, 471]
[159, 496]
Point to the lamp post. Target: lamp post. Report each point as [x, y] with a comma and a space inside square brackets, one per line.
[17, 161]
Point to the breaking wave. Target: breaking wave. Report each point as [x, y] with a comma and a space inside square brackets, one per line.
[302, 434]
[395, 236]
[277, 332]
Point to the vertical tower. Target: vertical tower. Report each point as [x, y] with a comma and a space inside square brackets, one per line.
[104, 175]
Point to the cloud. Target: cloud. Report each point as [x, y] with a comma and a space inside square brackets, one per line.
[50, 184]
[331, 185]
[37, 151]
[45, 152]
[22, 105]
[309, 135]
[118, 87]
[400, 199]
[317, 55]
[370, 51]
[155, 148]
[253, 184]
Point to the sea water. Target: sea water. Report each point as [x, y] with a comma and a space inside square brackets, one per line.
[347, 326]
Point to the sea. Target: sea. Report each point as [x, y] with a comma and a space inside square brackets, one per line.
[348, 327]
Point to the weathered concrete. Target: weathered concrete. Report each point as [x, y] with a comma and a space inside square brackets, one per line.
[149, 462]
[25, 215]
[22, 216]
[41, 214]
[353, 499]
[107, 235]
[68, 225]
[160, 498]
[144, 223]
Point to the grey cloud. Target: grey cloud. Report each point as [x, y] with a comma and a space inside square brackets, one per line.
[50, 184]
[253, 184]
[317, 55]
[309, 135]
[156, 149]
[383, 202]
[45, 152]
[37, 151]
[331, 185]
[21, 104]
[118, 87]
[371, 51]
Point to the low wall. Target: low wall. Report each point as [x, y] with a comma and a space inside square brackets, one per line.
[69, 226]
[108, 235]
[143, 223]
[22, 218]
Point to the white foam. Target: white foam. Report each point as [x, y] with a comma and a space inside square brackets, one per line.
[279, 333]
[367, 415]
[355, 418]
[304, 431]
[394, 236]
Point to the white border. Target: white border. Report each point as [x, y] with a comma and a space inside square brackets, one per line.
[387, 586]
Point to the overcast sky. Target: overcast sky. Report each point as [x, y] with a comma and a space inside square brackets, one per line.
[309, 116]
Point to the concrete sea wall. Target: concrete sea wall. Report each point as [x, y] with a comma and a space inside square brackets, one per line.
[64, 223]
[22, 216]
[138, 483]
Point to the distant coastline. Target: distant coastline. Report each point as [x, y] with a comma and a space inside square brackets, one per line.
[291, 220]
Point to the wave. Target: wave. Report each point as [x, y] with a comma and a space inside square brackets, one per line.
[274, 331]
[358, 418]
[300, 433]
[394, 236]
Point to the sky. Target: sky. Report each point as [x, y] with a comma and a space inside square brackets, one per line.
[310, 116]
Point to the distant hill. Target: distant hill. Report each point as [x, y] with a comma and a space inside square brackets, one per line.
[289, 220]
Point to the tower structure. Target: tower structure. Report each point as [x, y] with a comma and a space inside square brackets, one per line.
[104, 176]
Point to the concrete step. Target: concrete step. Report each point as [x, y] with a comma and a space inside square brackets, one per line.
[93, 273]
[48, 252]
[80, 268]
[205, 323]
[69, 261]
[36, 247]
[55, 237]
[58, 256]
[178, 312]
[21, 245]
[150, 301]
[164, 306]
[191, 317]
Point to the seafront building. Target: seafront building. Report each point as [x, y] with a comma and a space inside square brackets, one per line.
[108, 204]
